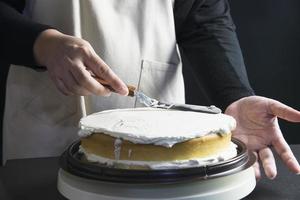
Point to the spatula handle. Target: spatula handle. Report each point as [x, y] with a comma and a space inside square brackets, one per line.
[131, 88]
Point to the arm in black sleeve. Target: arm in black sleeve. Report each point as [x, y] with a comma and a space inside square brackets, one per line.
[17, 34]
[208, 44]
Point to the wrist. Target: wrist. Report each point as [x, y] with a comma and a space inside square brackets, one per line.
[42, 44]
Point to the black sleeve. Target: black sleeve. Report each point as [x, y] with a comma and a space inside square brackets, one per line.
[17, 34]
[209, 45]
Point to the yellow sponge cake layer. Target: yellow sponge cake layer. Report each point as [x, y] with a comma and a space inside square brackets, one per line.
[105, 146]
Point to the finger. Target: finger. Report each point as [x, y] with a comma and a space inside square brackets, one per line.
[268, 162]
[286, 154]
[283, 111]
[101, 69]
[59, 84]
[73, 86]
[257, 168]
[62, 88]
[84, 78]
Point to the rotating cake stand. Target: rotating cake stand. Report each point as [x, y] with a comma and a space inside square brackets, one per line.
[231, 187]
[227, 180]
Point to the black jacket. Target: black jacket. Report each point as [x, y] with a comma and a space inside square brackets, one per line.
[205, 34]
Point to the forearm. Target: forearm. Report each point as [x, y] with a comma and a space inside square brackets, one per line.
[209, 45]
[17, 35]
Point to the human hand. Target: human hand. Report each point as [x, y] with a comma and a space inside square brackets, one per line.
[70, 62]
[258, 128]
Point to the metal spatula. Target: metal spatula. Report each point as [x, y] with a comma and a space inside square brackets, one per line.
[150, 102]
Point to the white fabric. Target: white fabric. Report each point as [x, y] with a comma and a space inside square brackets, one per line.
[135, 38]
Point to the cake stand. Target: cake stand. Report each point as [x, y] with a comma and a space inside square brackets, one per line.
[227, 180]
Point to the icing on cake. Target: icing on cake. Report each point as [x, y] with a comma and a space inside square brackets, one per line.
[226, 154]
[156, 126]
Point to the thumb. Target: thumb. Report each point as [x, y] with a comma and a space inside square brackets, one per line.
[283, 111]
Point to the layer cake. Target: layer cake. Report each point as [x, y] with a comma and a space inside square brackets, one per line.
[147, 138]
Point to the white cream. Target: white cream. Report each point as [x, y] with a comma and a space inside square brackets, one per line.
[230, 152]
[129, 153]
[117, 145]
[155, 126]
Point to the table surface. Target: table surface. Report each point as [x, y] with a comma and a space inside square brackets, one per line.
[35, 179]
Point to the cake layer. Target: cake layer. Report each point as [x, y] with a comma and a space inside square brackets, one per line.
[156, 126]
[111, 148]
[226, 154]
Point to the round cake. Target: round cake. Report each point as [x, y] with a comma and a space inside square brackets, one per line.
[148, 138]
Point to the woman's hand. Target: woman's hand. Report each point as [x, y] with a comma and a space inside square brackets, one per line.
[70, 62]
[258, 128]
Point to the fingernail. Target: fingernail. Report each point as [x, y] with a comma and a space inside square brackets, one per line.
[124, 90]
[273, 177]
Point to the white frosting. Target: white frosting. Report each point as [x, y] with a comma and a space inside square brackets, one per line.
[155, 126]
[230, 152]
[129, 153]
[118, 143]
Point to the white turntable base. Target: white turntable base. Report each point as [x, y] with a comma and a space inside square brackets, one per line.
[235, 186]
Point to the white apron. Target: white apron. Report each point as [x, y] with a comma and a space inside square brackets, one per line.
[136, 38]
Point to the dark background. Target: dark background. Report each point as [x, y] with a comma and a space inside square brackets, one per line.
[269, 35]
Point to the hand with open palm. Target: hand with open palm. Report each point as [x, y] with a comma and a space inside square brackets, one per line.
[257, 127]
